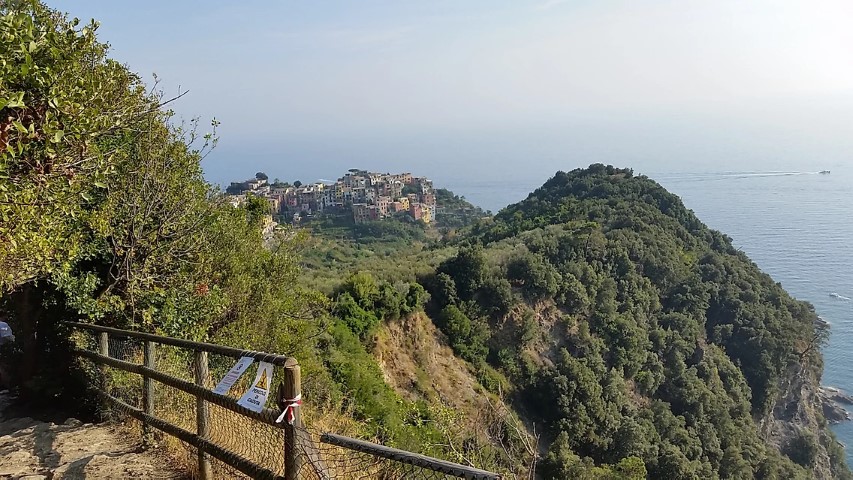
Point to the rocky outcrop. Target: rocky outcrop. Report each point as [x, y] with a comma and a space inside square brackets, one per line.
[833, 402]
[802, 411]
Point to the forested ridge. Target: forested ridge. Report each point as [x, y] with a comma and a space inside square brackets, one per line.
[632, 339]
[630, 329]
[598, 328]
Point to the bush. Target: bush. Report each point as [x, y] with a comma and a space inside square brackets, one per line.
[538, 278]
[360, 321]
[467, 337]
[802, 449]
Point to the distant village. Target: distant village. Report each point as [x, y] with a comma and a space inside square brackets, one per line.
[367, 196]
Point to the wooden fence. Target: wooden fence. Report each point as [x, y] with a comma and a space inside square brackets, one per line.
[300, 456]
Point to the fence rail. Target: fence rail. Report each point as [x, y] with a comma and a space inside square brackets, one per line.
[284, 450]
[279, 360]
[409, 458]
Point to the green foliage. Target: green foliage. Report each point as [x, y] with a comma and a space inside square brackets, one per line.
[363, 288]
[669, 341]
[65, 113]
[467, 337]
[802, 449]
[456, 212]
[496, 295]
[129, 232]
[391, 250]
[443, 289]
[538, 278]
[561, 462]
[837, 458]
[467, 269]
[360, 321]
[382, 413]
[416, 297]
[363, 301]
[355, 369]
[381, 231]
[257, 208]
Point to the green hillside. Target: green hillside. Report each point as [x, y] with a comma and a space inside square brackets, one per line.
[636, 341]
[626, 328]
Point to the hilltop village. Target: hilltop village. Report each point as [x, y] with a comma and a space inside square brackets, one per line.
[366, 196]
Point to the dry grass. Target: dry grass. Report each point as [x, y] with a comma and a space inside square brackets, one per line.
[417, 361]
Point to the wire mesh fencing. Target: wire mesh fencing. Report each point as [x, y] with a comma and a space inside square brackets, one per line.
[333, 456]
[167, 385]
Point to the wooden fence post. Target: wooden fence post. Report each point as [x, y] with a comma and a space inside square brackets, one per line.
[148, 389]
[104, 349]
[104, 341]
[291, 388]
[104, 344]
[205, 471]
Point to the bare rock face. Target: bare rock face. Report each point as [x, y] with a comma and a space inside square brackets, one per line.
[834, 413]
[801, 411]
[833, 401]
[836, 395]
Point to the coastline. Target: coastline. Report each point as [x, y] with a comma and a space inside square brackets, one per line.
[833, 401]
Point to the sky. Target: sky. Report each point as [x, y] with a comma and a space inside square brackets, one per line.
[493, 89]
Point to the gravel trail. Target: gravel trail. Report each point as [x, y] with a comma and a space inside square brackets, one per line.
[53, 447]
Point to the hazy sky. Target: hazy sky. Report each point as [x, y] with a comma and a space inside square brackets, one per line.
[496, 88]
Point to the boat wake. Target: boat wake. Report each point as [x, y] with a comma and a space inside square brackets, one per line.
[768, 174]
[719, 176]
[839, 297]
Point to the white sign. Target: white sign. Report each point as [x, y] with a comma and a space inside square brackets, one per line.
[256, 396]
[233, 375]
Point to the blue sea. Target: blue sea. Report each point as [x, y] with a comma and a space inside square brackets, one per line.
[797, 226]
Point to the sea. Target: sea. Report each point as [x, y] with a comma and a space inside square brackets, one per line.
[796, 225]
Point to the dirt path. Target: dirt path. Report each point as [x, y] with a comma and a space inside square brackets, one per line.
[65, 448]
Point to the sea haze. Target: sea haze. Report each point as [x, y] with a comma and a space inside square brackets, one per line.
[796, 225]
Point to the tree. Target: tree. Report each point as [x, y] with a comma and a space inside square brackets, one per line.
[467, 269]
[150, 237]
[443, 289]
[496, 294]
[359, 320]
[67, 113]
[561, 462]
[261, 176]
[467, 337]
[363, 287]
[538, 278]
[129, 232]
[390, 302]
[416, 297]
[68, 117]
[802, 449]
[257, 208]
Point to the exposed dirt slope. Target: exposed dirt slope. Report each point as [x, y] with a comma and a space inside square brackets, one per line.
[418, 363]
[59, 448]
